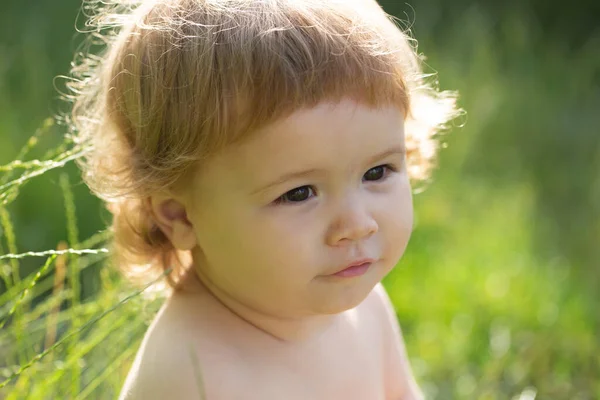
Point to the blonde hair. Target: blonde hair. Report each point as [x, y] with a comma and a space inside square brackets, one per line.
[180, 79]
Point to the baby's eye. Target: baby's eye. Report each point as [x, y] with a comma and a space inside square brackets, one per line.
[377, 173]
[297, 195]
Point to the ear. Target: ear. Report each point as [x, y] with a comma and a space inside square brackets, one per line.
[171, 216]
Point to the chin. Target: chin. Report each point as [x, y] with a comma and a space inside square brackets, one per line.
[347, 298]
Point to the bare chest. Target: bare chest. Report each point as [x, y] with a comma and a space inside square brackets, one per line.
[348, 367]
[353, 374]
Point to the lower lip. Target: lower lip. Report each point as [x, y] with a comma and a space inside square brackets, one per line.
[356, 270]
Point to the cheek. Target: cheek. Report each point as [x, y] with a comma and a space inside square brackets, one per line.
[259, 245]
[220, 236]
[286, 239]
[397, 219]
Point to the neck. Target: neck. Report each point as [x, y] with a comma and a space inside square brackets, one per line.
[288, 330]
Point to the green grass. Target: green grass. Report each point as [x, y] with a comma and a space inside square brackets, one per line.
[497, 292]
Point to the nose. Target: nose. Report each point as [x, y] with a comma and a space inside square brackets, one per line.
[352, 223]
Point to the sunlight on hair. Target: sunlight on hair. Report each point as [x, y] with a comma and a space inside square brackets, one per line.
[243, 65]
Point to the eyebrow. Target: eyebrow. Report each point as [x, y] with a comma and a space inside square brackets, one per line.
[314, 171]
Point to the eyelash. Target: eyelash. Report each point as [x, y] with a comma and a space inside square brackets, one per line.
[387, 170]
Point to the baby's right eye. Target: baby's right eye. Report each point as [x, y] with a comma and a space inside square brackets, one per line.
[296, 195]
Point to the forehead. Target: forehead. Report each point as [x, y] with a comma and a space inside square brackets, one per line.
[319, 137]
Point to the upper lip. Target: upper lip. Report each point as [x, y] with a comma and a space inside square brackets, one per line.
[355, 264]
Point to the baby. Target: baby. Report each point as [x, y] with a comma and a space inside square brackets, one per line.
[260, 154]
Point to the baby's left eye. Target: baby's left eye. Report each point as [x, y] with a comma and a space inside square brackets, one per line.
[377, 173]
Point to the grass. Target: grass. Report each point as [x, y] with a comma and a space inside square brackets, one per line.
[497, 292]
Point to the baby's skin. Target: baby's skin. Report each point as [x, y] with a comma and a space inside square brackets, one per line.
[291, 232]
[218, 356]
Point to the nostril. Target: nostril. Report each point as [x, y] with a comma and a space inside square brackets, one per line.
[353, 230]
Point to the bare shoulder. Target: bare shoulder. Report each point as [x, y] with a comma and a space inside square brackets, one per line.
[400, 383]
[162, 368]
[172, 360]
[379, 306]
[383, 305]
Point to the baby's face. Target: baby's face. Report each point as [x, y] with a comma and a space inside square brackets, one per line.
[277, 216]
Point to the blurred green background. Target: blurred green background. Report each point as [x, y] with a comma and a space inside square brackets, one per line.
[498, 292]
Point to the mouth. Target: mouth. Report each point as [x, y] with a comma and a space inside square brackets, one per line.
[354, 269]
